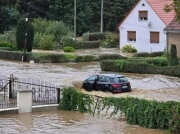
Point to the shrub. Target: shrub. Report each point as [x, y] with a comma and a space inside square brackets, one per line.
[20, 35]
[85, 58]
[111, 40]
[156, 54]
[68, 41]
[146, 113]
[73, 100]
[90, 44]
[46, 57]
[9, 36]
[68, 49]
[37, 39]
[111, 57]
[142, 54]
[128, 49]
[40, 25]
[14, 55]
[138, 67]
[70, 56]
[173, 57]
[94, 36]
[47, 42]
[159, 61]
[58, 29]
[8, 45]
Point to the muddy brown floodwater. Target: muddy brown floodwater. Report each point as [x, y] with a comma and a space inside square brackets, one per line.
[157, 87]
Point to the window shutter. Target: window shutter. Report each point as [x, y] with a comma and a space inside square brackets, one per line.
[154, 37]
[143, 14]
[131, 35]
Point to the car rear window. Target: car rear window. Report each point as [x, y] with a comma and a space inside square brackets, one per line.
[120, 79]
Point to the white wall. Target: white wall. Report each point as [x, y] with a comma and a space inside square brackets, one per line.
[132, 23]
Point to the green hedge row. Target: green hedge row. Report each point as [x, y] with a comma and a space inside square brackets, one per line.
[90, 44]
[146, 113]
[14, 55]
[111, 57]
[159, 61]
[145, 54]
[85, 58]
[138, 67]
[53, 58]
[94, 36]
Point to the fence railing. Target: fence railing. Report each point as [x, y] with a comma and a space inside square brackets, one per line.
[43, 93]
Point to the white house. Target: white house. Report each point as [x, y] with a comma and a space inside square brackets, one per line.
[143, 27]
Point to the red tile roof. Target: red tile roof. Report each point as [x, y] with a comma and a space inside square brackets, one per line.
[158, 5]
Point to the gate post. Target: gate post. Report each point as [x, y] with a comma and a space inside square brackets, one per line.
[58, 95]
[24, 101]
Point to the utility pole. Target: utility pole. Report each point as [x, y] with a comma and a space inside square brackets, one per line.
[26, 34]
[102, 16]
[74, 19]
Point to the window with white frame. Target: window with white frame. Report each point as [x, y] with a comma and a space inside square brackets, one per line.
[131, 35]
[143, 15]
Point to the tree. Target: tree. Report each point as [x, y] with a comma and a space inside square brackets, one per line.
[20, 35]
[174, 6]
[173, 57]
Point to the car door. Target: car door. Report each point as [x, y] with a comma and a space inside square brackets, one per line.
[88, 83]
[100, 83]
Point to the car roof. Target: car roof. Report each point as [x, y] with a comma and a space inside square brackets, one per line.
[113, 75]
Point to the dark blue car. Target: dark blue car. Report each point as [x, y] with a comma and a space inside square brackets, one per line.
[114, 83]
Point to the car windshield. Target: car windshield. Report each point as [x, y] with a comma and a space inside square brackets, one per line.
[91, 78]
[120, 79]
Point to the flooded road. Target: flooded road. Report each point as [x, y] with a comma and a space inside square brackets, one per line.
[156, 87]
[64, 122]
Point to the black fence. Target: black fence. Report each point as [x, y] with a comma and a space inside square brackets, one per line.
[43, 93]
[6, 99]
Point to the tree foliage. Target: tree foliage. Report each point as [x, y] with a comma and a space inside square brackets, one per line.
[173, 57]
[174, 6]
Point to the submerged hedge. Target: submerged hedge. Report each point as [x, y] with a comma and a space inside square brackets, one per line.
[146, 113]
[138, 67]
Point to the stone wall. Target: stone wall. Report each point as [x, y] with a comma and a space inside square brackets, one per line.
[174, 38]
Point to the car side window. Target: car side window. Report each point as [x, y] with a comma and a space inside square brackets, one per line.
[103, 79]
[91, 78]
[120, 79]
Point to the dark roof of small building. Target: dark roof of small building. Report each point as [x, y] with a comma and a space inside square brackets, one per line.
[174, 25]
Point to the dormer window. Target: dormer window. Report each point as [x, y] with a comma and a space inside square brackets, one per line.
[143, 15]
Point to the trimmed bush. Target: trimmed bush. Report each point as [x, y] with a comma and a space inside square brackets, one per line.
[94, 36]
[156, 54]
[85, 58]
[173, 57]
[90, 44]
[129, 49]
[146, 113]
[14, 55]
[142, 54]
[53, 58]
[68, 49]
[138, 67]
[159, 61]
[111, 57]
